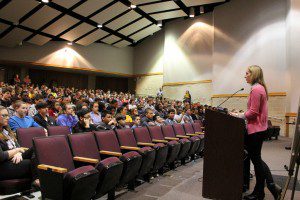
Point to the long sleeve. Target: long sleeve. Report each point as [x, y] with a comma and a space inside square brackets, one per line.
[254, 108]
[34, 123]
[3, 155]
[61, 121]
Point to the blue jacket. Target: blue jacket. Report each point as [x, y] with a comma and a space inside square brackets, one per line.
[25, 122]
[67, 120]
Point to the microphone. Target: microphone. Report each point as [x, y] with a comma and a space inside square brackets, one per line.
[230, 96]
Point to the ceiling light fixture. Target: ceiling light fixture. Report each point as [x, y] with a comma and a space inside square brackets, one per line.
[45, 1]
[99, 26]
[192, 12]
[201, 10]
[132, 6]
[159, 23]
[70, 43]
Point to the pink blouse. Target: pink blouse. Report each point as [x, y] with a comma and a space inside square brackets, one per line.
[257, 111]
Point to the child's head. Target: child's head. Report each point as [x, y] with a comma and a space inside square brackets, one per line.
[136, 120]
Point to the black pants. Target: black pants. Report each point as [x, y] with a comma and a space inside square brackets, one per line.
[262, 172]
[24, 169]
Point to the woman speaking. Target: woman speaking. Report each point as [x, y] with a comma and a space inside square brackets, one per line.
[257, 124]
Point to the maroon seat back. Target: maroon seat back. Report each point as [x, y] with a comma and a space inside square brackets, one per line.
[126, 137]
[188, 128]
[107, 141]
[25, 135]
[168, 131]
[197, 127]
[58, 130]
[84, 145]
[142, 135]
[198, 121]
[178, 129]
[156, 132]
[54, 150]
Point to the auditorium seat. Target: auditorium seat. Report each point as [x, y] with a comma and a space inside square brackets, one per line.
[190, 132]
[84, 148]
[25, 135]
[198, 130]
[108, 146]
[128, 143]
[273, 131]
[195, 141]
[169, 134]
[143, 138]
[58, 176]
[173, 146]
[58, 130]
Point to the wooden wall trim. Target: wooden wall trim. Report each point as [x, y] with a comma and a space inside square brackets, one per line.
[271, 94]
[66, 67]
[186, 83]
[291, 114]
[149, 74]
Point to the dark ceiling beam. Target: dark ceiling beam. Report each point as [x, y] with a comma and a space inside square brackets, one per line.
[4, 3]
[87, 20]
[139, 11]
[22, 19]
[182, 6]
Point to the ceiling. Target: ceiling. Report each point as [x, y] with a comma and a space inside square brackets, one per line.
[78, 21]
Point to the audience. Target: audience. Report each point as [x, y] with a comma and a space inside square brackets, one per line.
[108, 122]
[148, 119]
[136, 122]
[95, 114]
[84, 123]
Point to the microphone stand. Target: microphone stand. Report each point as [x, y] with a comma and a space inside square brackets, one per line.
[230, 97]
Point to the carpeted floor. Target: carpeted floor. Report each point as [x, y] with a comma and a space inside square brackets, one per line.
[186, 181]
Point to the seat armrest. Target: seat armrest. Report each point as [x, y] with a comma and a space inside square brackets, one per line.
[24, 148]
[111, 153]
[171, 138]
[202, 127]
[160, 141]
[130, 148]
[86, 160]
[52, 168]
[191, 134]
[146, 144]
[182, 136]
[200, 133]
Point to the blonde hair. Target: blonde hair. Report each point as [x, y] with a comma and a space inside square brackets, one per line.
[257, 76]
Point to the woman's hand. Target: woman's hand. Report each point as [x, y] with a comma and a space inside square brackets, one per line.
[20, 150]
[17, 158]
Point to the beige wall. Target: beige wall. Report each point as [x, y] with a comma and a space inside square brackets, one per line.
[148, 85]
[95, 56]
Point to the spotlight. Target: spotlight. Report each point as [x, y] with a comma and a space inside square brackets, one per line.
[159, 23]
[45, 1]
[70, 43]
[132, 6]
[192, 12]
[99, 25]
[201, 10]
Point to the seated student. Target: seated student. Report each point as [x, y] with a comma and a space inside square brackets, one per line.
[6, 97]
[15, 162]
[84, 123]
[20, 120]
[179, 114]
[108, 122]
[11, 109]
[148, 119]
[95, 114]
[170, 120]
[136, 122]
[32, 109]
[187, 118]
[121, 121]
[134, 112]
[68, 117]
[55, 109]
[42, 117]
[123, 110]
[159, 121]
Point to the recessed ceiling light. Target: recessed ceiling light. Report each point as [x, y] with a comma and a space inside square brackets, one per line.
[45, 1]
[192, 12]
[99, 25]
[132, 6]
[159, 23]
[201, 9]
[70, 43]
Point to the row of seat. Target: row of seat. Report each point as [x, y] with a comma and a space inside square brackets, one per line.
[113, 157]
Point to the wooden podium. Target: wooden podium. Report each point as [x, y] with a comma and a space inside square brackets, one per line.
[223, 156]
